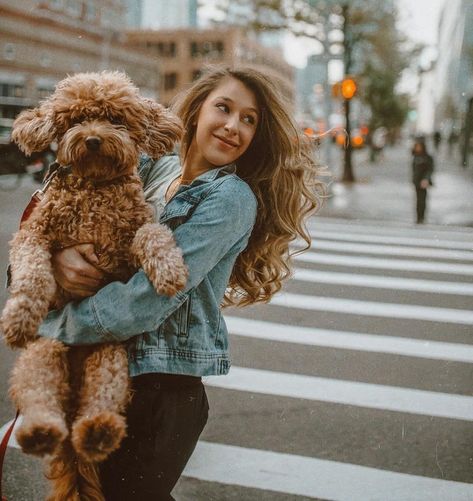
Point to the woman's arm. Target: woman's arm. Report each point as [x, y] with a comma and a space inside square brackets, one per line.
[120, 311]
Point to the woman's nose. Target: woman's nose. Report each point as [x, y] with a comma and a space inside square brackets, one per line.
[231, 125]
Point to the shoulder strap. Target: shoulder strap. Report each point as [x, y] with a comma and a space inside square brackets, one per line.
[3, 450]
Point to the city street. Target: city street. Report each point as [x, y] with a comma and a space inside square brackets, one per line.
[353, 384]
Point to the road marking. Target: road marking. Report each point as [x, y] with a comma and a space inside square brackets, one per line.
[385, 229]
[373, 308]
[385, 264]
[381, 282]
[373, 396]
[392, 250]
[312, 477]
[432, 350]
[385, 239]
[306, 476]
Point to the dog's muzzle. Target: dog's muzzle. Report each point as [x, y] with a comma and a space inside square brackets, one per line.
[93, 143]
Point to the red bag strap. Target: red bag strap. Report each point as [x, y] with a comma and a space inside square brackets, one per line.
[3, 450]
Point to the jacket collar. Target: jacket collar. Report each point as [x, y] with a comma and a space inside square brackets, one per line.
[213, 174]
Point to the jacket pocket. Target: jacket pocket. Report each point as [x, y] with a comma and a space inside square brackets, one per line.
[183, 322]
[178, 210]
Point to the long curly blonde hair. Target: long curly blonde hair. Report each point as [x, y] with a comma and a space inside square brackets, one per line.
[279, 168]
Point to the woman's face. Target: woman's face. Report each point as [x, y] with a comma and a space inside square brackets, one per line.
[418, 149]
[226, 125]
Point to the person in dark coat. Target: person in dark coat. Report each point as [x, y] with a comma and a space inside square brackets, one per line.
[422, 169]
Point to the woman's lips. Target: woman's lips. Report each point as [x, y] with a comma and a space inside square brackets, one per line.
[226, 142]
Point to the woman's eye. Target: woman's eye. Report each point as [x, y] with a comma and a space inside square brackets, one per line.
[223, 107]
[249, 119]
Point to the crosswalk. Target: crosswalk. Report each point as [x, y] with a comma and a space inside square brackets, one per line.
[355, 382]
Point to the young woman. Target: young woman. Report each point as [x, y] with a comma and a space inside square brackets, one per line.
[422, 170]
[247, 183]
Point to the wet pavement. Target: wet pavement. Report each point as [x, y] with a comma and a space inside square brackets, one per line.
[384, 191]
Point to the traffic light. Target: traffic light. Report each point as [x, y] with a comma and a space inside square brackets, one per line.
[348, 89]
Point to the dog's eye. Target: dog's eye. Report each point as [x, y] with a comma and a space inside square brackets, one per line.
[115, 121]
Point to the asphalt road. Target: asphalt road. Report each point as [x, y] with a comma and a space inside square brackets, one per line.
[354, 384]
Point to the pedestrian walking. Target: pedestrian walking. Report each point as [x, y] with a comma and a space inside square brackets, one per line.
[235, 198]
[437, 137]
[422, 169]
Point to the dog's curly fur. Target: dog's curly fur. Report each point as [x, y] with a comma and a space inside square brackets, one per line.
[73, 398]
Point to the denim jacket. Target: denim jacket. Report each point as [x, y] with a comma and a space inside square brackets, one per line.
[212, 219]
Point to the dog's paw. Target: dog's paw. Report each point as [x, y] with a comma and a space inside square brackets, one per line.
[168, 279]
[94, 438]
[41, 437]
[18, 324]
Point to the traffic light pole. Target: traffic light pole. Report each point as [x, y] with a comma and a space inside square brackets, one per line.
[347, 165]
[348, 176]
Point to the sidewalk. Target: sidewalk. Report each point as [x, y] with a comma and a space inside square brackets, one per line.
[384, 190]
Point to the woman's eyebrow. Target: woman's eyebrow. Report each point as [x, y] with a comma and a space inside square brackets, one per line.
[229, 99]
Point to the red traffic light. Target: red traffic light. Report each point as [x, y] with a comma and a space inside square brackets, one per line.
[348, 88]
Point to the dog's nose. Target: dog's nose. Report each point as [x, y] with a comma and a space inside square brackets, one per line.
[93, 143]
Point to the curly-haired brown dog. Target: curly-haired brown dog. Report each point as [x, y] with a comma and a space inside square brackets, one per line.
[72, 399]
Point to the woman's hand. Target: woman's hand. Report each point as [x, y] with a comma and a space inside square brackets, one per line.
[424, 184]
[75, 272]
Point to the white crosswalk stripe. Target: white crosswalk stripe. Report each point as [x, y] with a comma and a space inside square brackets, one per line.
[317, 235]
[430, 403]
[392, 250]
[386, 264]
[434, 350]
[304, 476]
[373, 308]
[383, 282]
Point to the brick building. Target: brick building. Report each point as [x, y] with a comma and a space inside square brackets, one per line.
[183, 53]
[41, 41]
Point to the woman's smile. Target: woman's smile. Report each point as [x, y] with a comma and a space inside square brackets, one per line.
[226, 143]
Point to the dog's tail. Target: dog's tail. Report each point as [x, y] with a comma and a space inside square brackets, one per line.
[72, 478]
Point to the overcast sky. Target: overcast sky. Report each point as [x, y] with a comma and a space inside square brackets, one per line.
[418, 19]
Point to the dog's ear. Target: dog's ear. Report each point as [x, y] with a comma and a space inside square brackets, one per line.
[163, 129]
[33, 130]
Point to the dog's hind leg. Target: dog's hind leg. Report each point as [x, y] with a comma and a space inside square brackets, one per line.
[155, 250]
[39, 389]
[100, 425]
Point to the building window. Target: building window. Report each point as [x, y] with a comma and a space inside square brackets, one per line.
[207, 50]
[9, 51]
[163, 49]
[167, 49]
[12, 90]
[170, 81]
[43, 92]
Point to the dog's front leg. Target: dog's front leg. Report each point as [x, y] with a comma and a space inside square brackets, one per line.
[155, 250]
[32, 287]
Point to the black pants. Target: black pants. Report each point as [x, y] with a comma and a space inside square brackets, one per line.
[421, 195]
[165, 419]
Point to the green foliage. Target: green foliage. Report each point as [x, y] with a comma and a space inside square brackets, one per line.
[373, 47]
